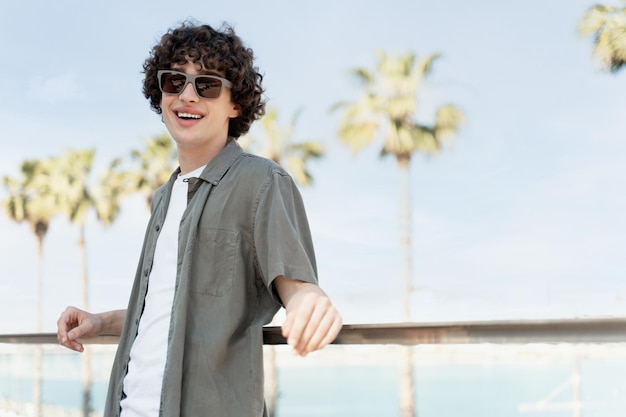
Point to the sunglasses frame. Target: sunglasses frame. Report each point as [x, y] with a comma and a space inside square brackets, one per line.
[191, 78]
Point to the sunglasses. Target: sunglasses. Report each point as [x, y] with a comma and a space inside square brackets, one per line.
[206, 86]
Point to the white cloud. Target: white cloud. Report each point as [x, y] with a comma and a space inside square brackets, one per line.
[53, 90]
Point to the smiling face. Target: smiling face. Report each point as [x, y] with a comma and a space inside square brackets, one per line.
[198, 125]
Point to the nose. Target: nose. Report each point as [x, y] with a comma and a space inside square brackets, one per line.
[189, 93]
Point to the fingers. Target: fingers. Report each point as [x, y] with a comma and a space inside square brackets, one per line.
[327, 332]
[70, 326]
[314, 325]
[299, 320]
[315, 329]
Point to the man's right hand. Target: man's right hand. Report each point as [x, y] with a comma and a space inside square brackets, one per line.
[75, 323]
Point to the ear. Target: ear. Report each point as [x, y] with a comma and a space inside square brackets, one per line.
[235, 111]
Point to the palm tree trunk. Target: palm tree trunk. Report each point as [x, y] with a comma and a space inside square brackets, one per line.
[407, 382]
[405, 236]
[38, 377]
[86, 356]
[576, 384]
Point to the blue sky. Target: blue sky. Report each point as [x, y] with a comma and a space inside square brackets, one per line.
[521, 217]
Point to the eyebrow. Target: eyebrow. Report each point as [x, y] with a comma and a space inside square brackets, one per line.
[201, 72]
[209, 72]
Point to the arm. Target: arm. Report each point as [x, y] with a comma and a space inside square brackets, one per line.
[312, 321]
[75, 323]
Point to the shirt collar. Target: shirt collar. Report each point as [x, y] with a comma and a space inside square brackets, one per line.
[217, 168]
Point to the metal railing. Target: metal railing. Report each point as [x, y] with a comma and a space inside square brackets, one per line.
[579, 331]
[584, 330]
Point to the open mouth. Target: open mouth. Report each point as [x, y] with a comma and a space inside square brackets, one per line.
[188, 116]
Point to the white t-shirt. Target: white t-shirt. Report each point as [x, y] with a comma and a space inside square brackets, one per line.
[143, 382]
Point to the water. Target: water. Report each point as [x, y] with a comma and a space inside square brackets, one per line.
[342, 385]
[441, 390]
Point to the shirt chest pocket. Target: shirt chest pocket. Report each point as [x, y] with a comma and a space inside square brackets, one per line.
[213, 266]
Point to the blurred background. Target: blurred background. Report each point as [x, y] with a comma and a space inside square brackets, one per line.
[500, 194]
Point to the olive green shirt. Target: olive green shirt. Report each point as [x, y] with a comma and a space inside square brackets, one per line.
[244, 226]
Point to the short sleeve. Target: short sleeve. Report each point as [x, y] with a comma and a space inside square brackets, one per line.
[282, 237]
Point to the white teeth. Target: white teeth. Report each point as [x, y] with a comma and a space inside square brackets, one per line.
[189, 116]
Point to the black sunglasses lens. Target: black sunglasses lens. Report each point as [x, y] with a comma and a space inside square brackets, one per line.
[208, 87]
[172, 83]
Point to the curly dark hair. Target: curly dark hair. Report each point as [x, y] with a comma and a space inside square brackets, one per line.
[220, 50]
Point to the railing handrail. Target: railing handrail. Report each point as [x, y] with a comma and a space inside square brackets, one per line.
[579, 330]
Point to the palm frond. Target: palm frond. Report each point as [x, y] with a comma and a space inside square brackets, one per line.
[426, 65]
[363, 76]
[608, 27]
[594, 20]
[358, 125]
[277, 143]
[448, 121]
[388, 106]
[154, 164]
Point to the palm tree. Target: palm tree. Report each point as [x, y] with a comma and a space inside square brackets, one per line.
[156, 163]
[114, 185]
[608, 26]
[30, 200]
[278, 144]
[72, 172]
[77, 196]
[387, 109]
[71, 175]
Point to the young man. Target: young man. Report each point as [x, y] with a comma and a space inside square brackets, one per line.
[227, 244]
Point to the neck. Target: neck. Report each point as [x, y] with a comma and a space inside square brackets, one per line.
[191, 158]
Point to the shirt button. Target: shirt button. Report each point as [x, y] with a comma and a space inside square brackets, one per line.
[157, 228]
